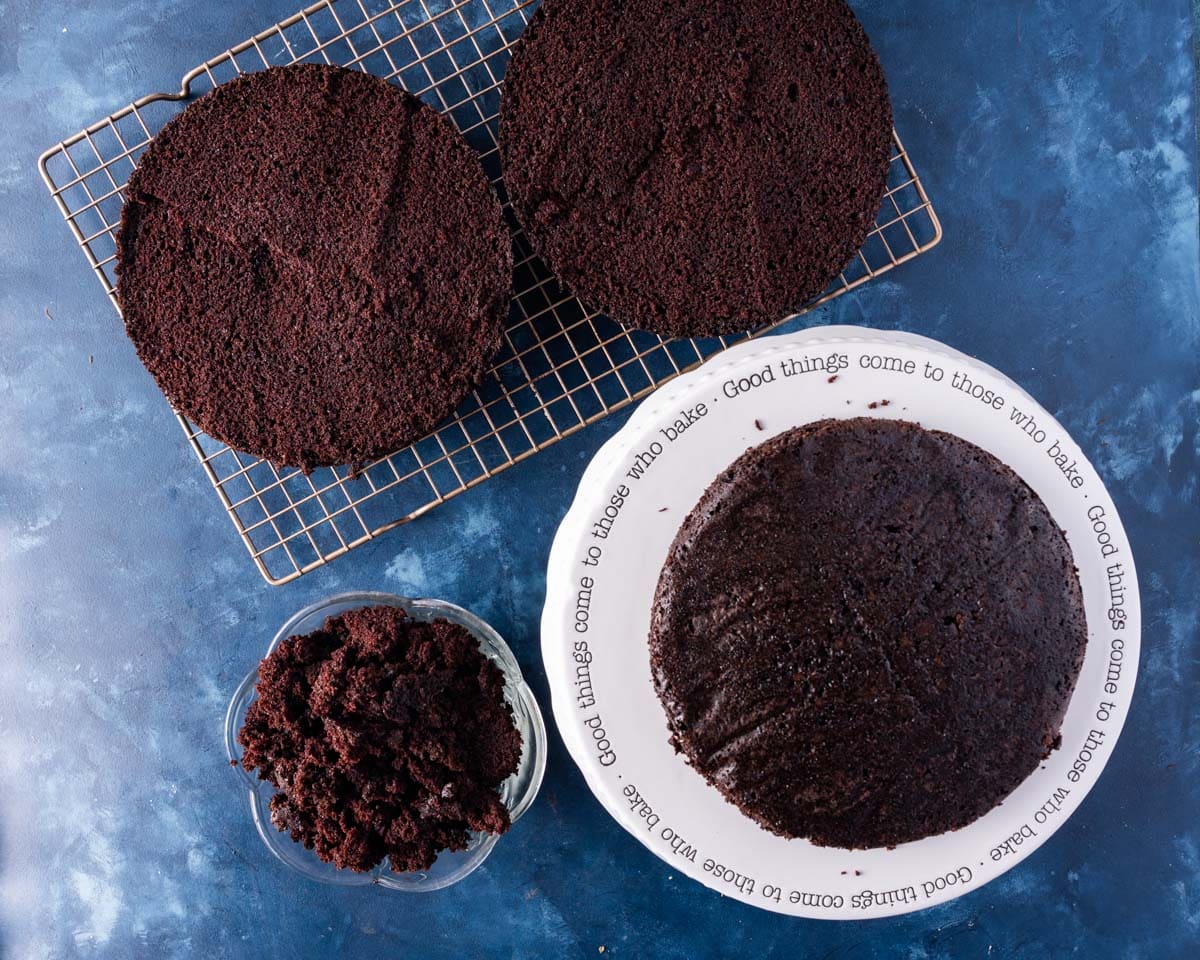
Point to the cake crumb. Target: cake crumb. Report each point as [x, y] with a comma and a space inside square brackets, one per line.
[386, 738]
[758, 425]
[832, 379]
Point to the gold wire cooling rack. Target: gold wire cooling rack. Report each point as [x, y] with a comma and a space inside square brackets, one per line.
[561, 366]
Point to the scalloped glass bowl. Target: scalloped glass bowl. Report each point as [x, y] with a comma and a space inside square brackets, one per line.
[518, 791]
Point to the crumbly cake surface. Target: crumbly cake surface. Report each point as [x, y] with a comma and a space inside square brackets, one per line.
[695, 168]
[312, 265]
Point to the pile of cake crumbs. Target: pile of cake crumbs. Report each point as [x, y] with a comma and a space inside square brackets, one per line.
[385, 737]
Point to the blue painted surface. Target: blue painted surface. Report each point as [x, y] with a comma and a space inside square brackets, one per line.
[1057, 140]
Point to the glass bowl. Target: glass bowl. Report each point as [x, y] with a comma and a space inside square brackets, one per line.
[518, 791]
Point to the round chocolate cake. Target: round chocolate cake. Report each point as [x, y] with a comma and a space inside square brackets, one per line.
[867, 633]
[312, 265]
[385, 737]
[695, 168]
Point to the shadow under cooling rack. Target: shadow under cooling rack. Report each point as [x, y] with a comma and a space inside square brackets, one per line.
[561, 366]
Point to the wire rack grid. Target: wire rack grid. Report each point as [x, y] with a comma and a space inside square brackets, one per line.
[561, 366]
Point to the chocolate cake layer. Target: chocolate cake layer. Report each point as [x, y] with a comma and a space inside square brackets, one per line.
[695, 168]
[867, 633]
[312, 265]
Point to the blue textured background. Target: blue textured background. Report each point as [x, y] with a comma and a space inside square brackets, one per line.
[1057, 140]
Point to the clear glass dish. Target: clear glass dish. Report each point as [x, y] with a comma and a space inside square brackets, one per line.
[518, 791]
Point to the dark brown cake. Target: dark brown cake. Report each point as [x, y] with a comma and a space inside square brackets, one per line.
[312, 265]
[866, 633]
[695, 168]
[385, 738]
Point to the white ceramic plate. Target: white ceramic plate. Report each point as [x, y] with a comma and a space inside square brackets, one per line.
[605, 563]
